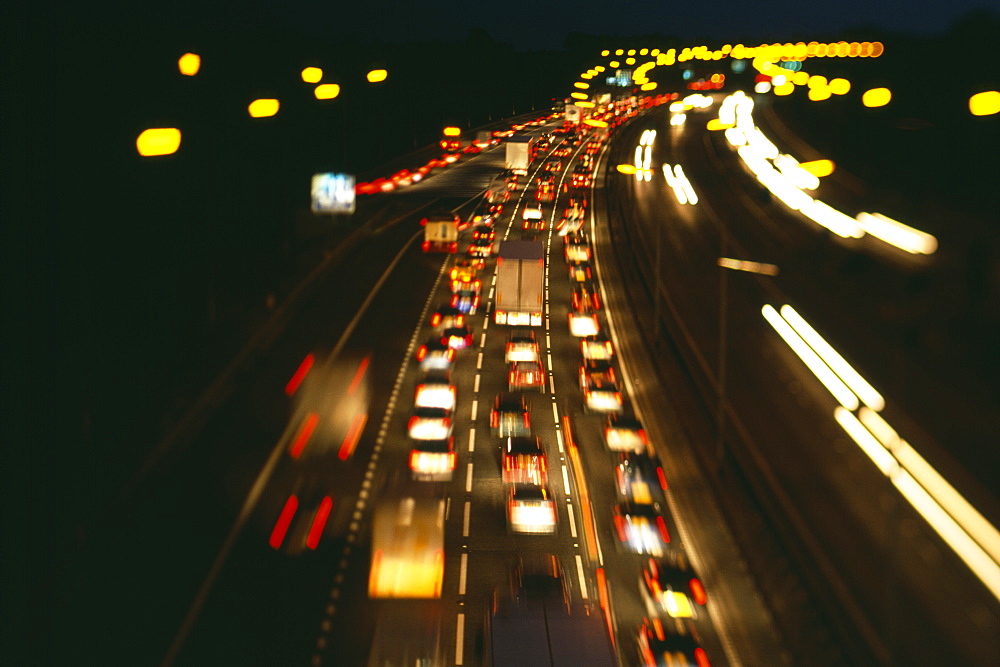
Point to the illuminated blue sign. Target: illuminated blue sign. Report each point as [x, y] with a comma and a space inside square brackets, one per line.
[333, 193]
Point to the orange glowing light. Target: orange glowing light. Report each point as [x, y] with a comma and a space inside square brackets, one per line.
[581, 85]
[579, 96]
[263, 108]
[876, 97]
[784, 89]
[452, 131]
[358, 375]
[840, 86]
[312, 74]
[158, 141]
[284, 520]
[649, 86]
[189, 64]
[326, 91]
[353, 435]
[319, 522]
[819, 168]
[985, 104]
[628, 169]
[377, 75]
[605, 52]
[818, 94]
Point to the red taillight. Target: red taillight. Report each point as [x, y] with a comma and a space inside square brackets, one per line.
[453, 247]
[698, 591]
[662, 525]
[620, 526]
[618, 397]
[435, 320]
[511, 378]
[450, 354]
[701, 657]
[411, 423]
[451, 460]
[414, 455]
[662, 477]
[425, 245]
[527, 420]
[421, 353]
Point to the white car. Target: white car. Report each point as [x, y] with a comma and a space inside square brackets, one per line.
[433, 460]
[521, 346]
[435, 391]
[583, 323]
[597, 348]
[531, 509]
[603, 397]
[429, 424]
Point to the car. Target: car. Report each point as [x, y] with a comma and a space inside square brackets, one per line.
[640, 479]
[481, 247]
[672, 588]
[464, 271]
[581, 178]
[572, 221]
[553, 165]
[509, 416]
[533, 217]
[673, 643]
[466, 301]
[602, 396]
[592, 147]
[625, 433]
[435, 390]
[483, 232]
[524, 461]
[486, 220]
[459, 285]
[521, 346]
[563, 150]
[596, 369]
[585, 295]
[530, 509]
[429, 424]
[643, 529]
[583, 323]
[576, 251]
[457, 338]
[433, 460]
[447, 316]
[597, 347]
[580, 272]
[435, 355]
[526, 375]
[495, 210]
[545, 192]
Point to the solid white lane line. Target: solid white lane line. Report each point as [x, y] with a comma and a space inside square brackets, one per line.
[583, 581]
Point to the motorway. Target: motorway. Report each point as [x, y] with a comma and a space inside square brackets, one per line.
[223, 592]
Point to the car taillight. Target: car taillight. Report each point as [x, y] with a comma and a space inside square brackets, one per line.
[435, 320]
[494, 419]
[414, 459]
[453, 247]
[421, 353]
[698, 591]
[450, 461]
[425, 245]
[411, 423]
[527, 420]
[662, 525]
[618, 397]
[511, 377]
[450, 354]
[701, 657]
[662, 477]
[620, 526]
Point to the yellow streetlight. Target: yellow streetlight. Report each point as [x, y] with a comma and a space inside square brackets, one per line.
[312, 75]
[189, 64]
[985, 104]
[158, 141]
[326, 91]
[262, 108]
[377, 75]
[876, 97]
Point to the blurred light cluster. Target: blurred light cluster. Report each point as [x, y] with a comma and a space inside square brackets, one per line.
[679, 183]
[787, 179]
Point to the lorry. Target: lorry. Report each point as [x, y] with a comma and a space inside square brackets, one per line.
[520, 272]
[535, 623]
[519, 154]
[440, 232]
[407, 543]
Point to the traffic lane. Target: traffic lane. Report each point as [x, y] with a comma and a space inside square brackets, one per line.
[705, 331]
[318, 470]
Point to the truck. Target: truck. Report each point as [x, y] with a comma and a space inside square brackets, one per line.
[519, 154]
[534, 623]
[407, 559]
[520, 272]
[440, 232]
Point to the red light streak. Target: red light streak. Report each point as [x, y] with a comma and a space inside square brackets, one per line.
[300, 374]
[281, 527]
[305, 432]
[352, 437]
[358, 375]
[319, 522]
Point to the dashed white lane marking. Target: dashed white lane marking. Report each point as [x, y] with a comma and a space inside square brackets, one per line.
[460, 639]
[555, 411]
[479, 362]
[465, 520]
[472, 440]
[463, 571]
[475, 409]
[559, 441]
[475, 384]
[565, 480]
[583, 581]
[468, 479]
[482, 340]
[572, 519]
